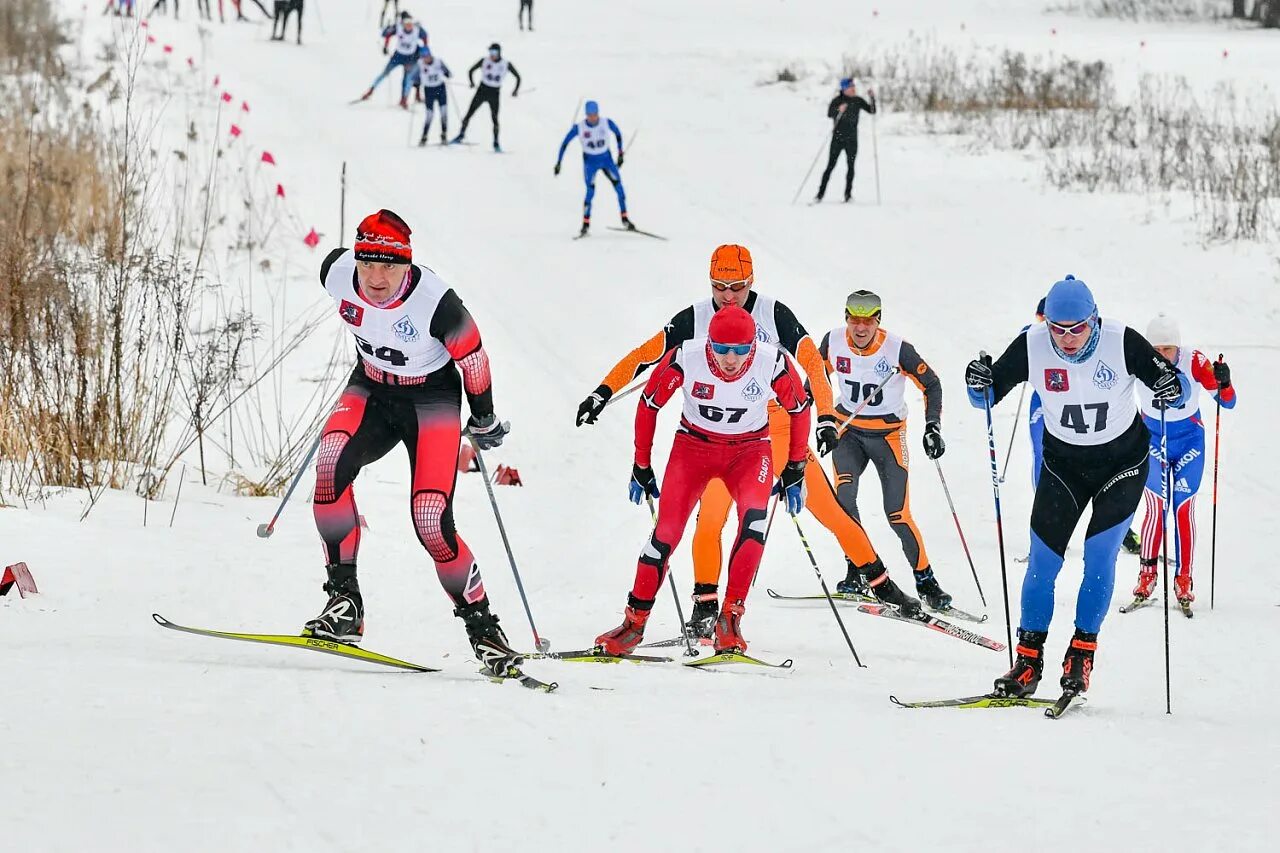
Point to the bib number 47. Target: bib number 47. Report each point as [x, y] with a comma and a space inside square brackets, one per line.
[1076, 418]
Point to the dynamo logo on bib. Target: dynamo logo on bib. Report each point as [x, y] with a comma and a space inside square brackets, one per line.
[1104, 377]
[753, 391]
[405, 330]
[882, 366]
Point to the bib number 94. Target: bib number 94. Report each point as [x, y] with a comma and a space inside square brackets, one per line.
[391, 356]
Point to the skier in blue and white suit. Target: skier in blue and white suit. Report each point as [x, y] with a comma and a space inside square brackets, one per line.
[410, 37]
[593, 131]
[431, 74]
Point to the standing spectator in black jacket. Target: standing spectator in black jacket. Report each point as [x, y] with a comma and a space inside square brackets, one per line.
[844, 109]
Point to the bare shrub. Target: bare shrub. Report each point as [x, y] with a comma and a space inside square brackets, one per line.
[1145, 10]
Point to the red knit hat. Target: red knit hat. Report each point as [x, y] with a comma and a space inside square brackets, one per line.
[732, 325]
[383, 237]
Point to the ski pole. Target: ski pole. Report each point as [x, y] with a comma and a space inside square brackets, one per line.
[995, 492]
[1164, 546]
[866, 399]
[684, 629]
[1213, 536]
[813, 562]
[956, 519]
[265, 530]
[1017, 417]
[825, 142]
[539, 643]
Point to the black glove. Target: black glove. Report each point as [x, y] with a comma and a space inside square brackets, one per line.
[591, 407]
[1168, 390]
[488, 431]
[790, 486]
[643, 484]
[978, 374]
[384, 50]
[828, 435]
[515, 93]
[1222, 373]
[557, 168]
[620, 156]
[934, 446]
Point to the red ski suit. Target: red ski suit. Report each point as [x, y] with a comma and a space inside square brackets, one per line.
[742, 460]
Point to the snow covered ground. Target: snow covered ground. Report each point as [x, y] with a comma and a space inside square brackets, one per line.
[123, 736]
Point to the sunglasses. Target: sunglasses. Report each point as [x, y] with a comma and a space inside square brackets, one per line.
[725, 349]
[874, 315]
[735, 286]
[1073, 329]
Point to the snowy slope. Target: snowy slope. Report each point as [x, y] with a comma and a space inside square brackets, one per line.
[125, 736]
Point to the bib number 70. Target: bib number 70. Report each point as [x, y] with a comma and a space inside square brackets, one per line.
[717, 414]
[1073, 417]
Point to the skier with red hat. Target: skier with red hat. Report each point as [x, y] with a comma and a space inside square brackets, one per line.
[418, 350]
[728, 379]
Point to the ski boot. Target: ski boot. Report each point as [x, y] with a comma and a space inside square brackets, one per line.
[497, 149]
[422, 143]
[853, 583]
[624, 639]
[1077, 664]
[1131, 542]
[342, 619]
[929, 591]
[729, 629]
[367, 94]
[1182, 586]
[1146, 580]
[627, 223]
[459, 139]
[444, 137]
[848, 197]
[1028, 667]
[487, 640]
[706, 607]
[886, 591]
[586, 226]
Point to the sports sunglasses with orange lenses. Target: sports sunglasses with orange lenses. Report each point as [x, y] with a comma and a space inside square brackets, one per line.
[735, 286]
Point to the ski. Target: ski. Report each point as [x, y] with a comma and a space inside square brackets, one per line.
[516, 674]
[596, 656]
[725, 658]
[987, 700]
[1068, 699]
[636, 231]
[859, 598]
[1137, 604]
[933, 623]
[855, 597]
[676, 641]
[314, 644]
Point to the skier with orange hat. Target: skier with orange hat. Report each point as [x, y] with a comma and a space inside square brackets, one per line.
[418, 350]
[728, 379]
[732, 281]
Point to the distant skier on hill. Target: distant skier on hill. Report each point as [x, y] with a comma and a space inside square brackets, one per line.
[493, 70]
[526, 5]
[283, 11]
[410, 39]
[844, 109]
[594, 135]
[432, 73]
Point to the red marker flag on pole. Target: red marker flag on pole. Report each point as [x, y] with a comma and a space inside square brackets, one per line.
[267, 158]
[312, 239]
[168, 48]
[280, 190]
[235, 130]
[226, 97]
[244, 106]
[217, 78]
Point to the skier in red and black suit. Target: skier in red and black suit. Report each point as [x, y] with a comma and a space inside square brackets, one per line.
[728, 379]
[414, 337]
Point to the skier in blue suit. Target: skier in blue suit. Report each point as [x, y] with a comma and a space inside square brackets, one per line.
[594, 134]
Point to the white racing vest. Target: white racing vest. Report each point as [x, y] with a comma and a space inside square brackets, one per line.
[762, 312]
[1146, 397]
[396, 340]
[408, 43]
[721, 407]
[1087, 403]
[431, 74]
[594, 137]
[857, 375]
[493, 73]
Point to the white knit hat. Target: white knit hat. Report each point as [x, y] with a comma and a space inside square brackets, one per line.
[1162, 331]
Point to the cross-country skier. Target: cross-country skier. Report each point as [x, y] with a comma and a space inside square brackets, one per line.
[283, 11]
[526, 6]
[1095, 451]
[594, 135]
[728, 380]
[732, 279]
[432, 72]
[493, 70]
[418, 350]
[1185, 448]
[843, 110]
[861, 356]
[395, 12]
[410, 39]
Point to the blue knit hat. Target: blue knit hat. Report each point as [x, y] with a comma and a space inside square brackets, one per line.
[1069, 301]
[846, 82]
[592, 108]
